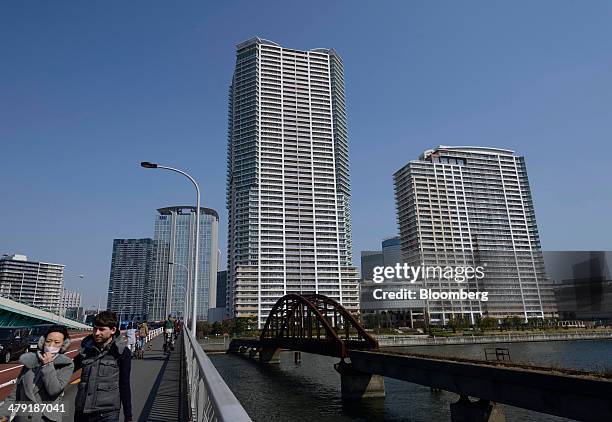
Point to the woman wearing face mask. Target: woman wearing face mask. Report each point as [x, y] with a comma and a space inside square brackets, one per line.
[43, 378]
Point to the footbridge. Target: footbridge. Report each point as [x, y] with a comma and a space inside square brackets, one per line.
[320, 325]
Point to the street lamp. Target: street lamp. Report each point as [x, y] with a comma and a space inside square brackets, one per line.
[185, 289]
[149, 165]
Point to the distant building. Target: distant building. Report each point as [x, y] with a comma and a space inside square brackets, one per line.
[388, 256]
[369, 260]
[35, 283]
[71, 303]
[171, 288]
[472, 206]
[392, 251]
[75, 313]
[582, 283]
[130, 277]
[219, 313]
[221, 288]
[70, 299]
[399, 313]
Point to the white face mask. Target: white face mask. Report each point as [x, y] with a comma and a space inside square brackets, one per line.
[49, 349]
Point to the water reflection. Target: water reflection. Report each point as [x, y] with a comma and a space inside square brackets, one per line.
[310, 391]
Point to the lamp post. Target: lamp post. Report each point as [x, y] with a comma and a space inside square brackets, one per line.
[185, 289]
[148, 165]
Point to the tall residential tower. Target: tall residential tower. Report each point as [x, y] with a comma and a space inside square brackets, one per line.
[472, 206]
[130, 277]
[288, 188]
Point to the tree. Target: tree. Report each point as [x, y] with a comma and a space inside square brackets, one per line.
[486, 323]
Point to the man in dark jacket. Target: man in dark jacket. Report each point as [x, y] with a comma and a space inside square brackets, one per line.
[105, 379]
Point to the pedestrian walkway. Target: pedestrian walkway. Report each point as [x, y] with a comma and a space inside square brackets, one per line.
[158, 386]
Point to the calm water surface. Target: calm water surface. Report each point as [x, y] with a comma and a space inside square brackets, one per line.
[310, 390]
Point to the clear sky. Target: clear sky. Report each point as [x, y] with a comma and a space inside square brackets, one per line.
[90, 89]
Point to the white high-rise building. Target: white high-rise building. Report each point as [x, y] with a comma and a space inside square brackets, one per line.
[472, 206]
[288, 188]
[36, 283]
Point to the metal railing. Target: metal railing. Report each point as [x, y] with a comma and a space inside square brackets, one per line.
[152, 334]
[209, 396]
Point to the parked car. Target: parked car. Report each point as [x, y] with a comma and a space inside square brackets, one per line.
[35, 333]
[13, 342]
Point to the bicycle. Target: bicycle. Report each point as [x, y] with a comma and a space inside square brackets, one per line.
[139, 352]
[168, 342]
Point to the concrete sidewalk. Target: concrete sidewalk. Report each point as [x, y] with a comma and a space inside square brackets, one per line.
[158, 386]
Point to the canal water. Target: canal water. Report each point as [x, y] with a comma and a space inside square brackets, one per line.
[310, 391]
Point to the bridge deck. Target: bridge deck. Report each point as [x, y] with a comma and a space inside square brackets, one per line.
[157, 388]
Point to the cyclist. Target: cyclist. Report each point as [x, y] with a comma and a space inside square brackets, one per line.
[176, 329]
[179, 328]
[168, 331]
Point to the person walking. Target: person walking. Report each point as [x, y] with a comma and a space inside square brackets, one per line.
[131, 336]
[43, 378]
[143, 332]
[105, 378]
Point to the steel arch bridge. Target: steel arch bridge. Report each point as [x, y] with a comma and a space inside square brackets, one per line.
[314, 324]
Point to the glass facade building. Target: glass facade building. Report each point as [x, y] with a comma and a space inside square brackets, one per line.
[170, 291]
[582, 283]
[288, 189]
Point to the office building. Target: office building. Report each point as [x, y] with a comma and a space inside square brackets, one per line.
[130, 277]
[582, 283]
[398, 313]
[391, 251]
[388, 256]
[370, 260]
[35, 283]
[288, 189]
[472, 206]
[219, 313]
[170, 292]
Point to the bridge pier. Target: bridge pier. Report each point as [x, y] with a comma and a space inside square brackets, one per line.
[269, 355]
[481, 410]
[357, 385]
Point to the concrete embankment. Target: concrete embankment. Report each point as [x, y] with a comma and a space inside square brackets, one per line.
[421, 340]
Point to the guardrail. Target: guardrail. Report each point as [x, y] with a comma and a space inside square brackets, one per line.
[209, 396]
[152, 334]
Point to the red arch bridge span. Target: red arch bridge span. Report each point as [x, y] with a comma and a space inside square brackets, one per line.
[317, 324]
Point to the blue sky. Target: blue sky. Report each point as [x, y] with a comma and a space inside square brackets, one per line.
[90, 89]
